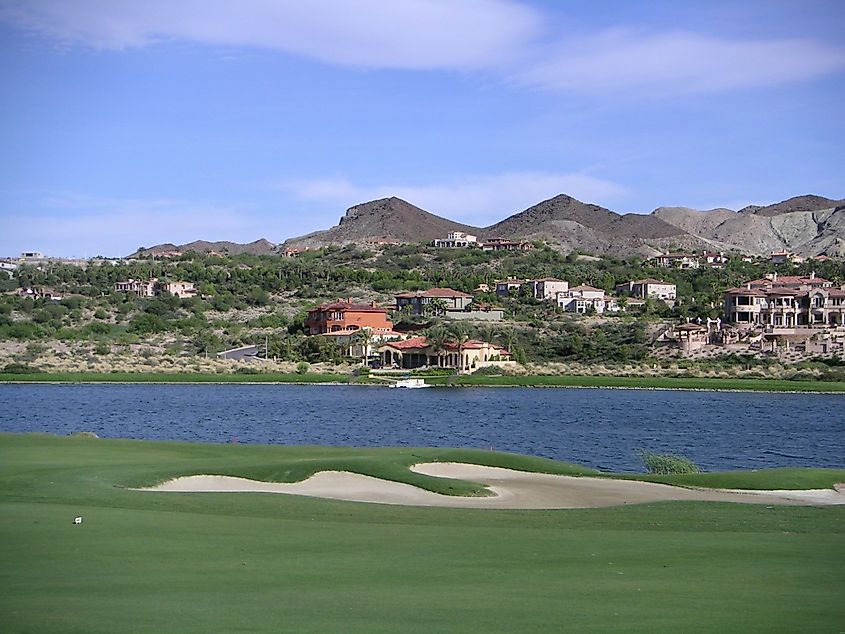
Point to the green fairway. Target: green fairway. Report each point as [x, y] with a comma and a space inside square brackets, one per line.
[169, 562]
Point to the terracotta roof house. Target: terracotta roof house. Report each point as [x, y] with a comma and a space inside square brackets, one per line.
[786, 302]
[445, 302]
[155, 287]
[649, 287]
[346, 315]
[419, 352]
[773, 280]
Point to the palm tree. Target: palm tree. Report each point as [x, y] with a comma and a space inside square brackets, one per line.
[460, 333]
[507, 337]
[438, 306]
[365, 338]
[437, 338]
[489, 332]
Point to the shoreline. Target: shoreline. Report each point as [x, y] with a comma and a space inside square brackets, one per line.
[689, 384]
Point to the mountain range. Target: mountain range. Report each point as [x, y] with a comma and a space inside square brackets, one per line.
[808, 225]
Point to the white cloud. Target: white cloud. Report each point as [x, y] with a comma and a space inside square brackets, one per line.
[657, 64]
[73, 225]
[477, 200]
[407, 34]
[507, 37]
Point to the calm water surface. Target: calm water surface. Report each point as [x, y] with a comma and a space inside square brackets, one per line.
[595, 427]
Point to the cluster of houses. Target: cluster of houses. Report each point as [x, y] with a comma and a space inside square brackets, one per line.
[364, 329]
[585, 299]
[788, 313]
[461, 240]
[155, 287]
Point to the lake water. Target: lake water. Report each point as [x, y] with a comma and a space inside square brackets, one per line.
[595, 427]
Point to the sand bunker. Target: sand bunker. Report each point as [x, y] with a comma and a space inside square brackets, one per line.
[511, 489]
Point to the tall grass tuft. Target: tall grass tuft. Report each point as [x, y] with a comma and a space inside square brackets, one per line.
[667, 464]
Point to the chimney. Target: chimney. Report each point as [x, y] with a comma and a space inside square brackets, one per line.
[774, 277]
[812, 275]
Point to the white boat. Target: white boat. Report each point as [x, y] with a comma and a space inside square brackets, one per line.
[410, 384]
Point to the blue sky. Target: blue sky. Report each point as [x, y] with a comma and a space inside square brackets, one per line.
[134, 123]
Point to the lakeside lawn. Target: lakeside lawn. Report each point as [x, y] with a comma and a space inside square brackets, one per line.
[169, 562]
[536, 380]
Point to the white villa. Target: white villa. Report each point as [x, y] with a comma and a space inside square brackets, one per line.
[457, 240]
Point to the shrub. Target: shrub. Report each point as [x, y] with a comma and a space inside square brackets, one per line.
[302, 367]
[19, 368]
[247, 370]
[667, 464]
[102, 348]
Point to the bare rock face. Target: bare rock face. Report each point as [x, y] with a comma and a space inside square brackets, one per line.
[807, 202]
[386, 219]
[569, 224]
[808, 225]
[692, 221]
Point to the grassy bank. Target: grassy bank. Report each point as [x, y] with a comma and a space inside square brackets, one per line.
[676, 383]
[254, 562]
[679, 383]
[186, 377]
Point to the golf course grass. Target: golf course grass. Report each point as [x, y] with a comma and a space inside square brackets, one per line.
[217, 562]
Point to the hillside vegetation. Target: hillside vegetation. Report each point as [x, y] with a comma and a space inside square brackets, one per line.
[262, 300]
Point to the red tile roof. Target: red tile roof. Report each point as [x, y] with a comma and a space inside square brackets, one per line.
[790, 280]
[472, 344]
[414, 343]
[745, 291]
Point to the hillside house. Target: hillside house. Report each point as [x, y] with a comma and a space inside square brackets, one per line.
[179, 289]
[677, 260]
[504, 288]
[346, 315]
[586, 299]
[545, 288]
[448, 303]
[139, 288]
[457, 240]
[786, 302]
[419, 352]
[650, 287]
[713, 259]
[500, 244]
[784, 257]
[155, 287]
